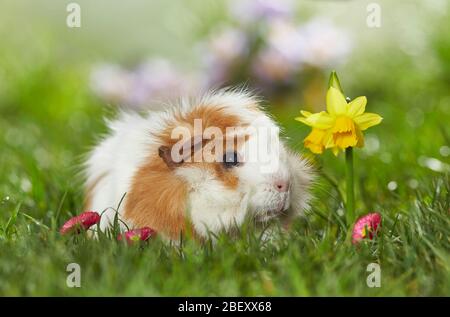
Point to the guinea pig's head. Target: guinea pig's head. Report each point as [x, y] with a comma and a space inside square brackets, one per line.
[232, 162]
[277, 179]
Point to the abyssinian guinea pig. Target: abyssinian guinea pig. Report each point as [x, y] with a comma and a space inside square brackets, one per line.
[201, 166]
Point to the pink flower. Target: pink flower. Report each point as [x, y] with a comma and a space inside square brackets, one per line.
[366, 226]
[84, 221]
[141, 234]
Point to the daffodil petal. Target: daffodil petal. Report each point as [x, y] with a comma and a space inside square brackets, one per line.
[303, 120]
[305, 113]
[357, 106]
[321, 120]
[360, 137]
[328, 141]
[314, 141]
[336, 103]
[367, 120]
[314, 148]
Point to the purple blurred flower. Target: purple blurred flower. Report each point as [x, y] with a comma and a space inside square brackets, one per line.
[228, 44]
[110, 82]
[157, 80]
[224, 50]
[281, 57]
[250, 11]
[325, 44]
[271, 66]
[288, 48]
[151, 82]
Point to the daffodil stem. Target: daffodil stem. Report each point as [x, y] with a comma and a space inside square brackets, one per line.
[350, 204]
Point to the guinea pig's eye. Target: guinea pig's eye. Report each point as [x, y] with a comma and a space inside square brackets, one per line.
[230, 159]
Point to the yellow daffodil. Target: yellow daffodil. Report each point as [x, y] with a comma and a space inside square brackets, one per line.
[340, 126]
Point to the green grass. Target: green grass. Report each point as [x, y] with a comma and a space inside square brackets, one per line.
[48, 120]
[314, 259]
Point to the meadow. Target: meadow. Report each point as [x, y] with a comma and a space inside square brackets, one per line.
[49, 118]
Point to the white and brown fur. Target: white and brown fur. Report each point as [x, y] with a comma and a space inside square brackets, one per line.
[194, 197]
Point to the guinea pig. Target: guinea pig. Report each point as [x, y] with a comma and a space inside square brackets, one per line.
[200, 166]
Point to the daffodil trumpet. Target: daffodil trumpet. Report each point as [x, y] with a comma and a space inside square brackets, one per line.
[339, 128]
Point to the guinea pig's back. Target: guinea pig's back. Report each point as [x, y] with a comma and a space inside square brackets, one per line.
[113, 162]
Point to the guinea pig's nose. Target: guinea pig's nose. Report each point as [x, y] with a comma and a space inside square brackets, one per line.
[281, 185]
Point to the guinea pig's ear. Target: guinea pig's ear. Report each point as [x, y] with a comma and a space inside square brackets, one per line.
[164, 152]
[185, 152]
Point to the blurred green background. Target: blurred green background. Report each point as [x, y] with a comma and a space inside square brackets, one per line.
[58, 83]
